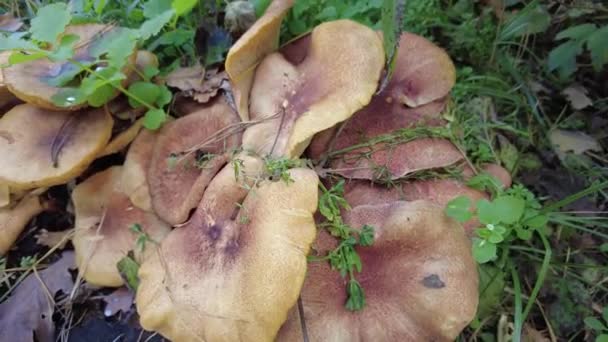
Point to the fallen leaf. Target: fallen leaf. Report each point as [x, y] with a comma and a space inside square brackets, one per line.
[577, 96]
[54, 239]
[211, 86]
[119, 300]
[197, 83]
[532, 335]
[186, 79]
[8, 23]
[573, 141]
[28, 313]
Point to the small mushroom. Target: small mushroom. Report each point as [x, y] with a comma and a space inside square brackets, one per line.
[234, 271]
[41, 148]
[14, 219]
[419, 277]
[37, 82]
[102, 235]
[260, 40]
[187, 154]
[290, 103]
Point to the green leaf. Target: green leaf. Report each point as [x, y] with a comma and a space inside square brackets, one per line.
[563, 58]
[50, 22]
[537, 221]
[523, 234]
[485, 212]
[366, 236]
[602, 338]
[485, 182]
[605, 314]
[509, 209]
[68, 97]
[20, 57]
[154, 8]
[165, 96]
[152, 27]
[65, 50]
[597, 43]
[144, 91]
[491, 289]
[14, 42]
[594, 324]
[604, 247]
[149, 72]
[260, 7]
[483, 251]
[531, 20]
[392, 26]
[578, 32]
[458, 209]
[99, 6]
[101, 95]
[128, 268]
[122, 46]
[154, 119]
[356, 296]
[182, 7]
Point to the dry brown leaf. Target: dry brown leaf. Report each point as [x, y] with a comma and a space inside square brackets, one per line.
[29, 311]
[186, 79]
[119, 300]
[577, 96]
[197, 83]
[8, 23]
[54, 239]
[573, 141]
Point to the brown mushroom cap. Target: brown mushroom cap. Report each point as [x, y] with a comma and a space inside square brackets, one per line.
[437, 191]
[338, 77]
[423, 72]
[33, 136]
[14, 219]
[177, 179]
[234, 271]
[134, 180]
[419, 277]
[102, 235]
[6, 97]
[122, 139]
[415, 96]
[261, 39]
[32, 81]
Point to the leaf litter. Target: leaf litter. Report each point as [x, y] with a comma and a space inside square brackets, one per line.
[28, 313]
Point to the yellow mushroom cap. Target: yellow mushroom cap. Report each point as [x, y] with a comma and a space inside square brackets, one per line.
[337, 77]
[419, 278]
[102, 236]
[41, 148]
[234, 271]
[33, 81]
[187, 153]
[260, 40]
[14, 219]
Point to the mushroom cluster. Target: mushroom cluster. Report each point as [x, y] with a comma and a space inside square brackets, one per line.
[222, 244]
